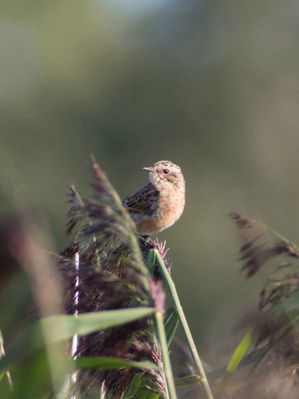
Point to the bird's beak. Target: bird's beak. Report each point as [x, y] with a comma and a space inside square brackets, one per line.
[147, 168]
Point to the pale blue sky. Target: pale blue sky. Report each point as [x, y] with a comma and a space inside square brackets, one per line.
[134, 7]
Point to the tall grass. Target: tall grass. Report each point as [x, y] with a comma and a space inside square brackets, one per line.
[103, 329]
[98, 320]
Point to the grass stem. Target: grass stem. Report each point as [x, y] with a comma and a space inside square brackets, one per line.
[172, 289]
[170, 386]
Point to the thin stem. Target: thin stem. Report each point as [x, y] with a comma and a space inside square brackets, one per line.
[76, 304]
[77, 235]
[176, 300]
[170, 387]
[75, 339]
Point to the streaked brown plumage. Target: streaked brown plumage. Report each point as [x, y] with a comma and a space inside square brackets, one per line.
[160, 203]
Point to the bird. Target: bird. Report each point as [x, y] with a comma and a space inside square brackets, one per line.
[160, 203]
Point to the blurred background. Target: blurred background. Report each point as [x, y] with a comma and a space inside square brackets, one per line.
[210, 85]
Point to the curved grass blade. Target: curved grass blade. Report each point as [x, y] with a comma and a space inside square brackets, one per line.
[176, 300]
[141, 388]
[239, 352]
[63, 327]
[148, 395]
[110, 363]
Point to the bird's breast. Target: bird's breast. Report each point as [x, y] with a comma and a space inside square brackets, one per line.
[168, 211]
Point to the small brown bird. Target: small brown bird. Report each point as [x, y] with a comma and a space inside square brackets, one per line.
[160, 203]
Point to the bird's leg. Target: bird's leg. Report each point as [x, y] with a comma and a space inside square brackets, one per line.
[146, 242]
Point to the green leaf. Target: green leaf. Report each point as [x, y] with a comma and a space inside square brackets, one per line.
[171, 321]
[142, 388]
[239, 352]
[58, 328]
[64, 327]
[136, 385]
[148, 395]
[287, 306]
[110, 363]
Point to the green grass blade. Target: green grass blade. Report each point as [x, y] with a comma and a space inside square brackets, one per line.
[148, 395]
[140, 387]
[170, 387]
[239, 352]
[110, 363]
[63, 327]
[176, 300]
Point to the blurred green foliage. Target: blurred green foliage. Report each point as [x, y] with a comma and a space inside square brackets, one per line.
[210, 85]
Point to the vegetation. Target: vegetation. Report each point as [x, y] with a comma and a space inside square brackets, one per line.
[100, 319]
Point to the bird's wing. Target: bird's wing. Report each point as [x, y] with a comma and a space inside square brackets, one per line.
[145, 201]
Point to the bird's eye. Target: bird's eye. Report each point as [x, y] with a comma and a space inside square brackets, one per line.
[165, 171]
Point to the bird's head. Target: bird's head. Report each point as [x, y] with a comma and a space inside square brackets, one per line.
[166, 172]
